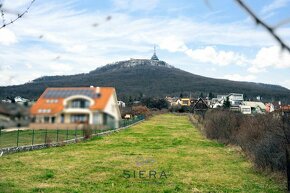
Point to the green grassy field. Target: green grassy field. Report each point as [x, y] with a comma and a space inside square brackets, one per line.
[29, 137]
[166, 145]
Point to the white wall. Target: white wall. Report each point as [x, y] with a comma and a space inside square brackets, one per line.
[112, 109]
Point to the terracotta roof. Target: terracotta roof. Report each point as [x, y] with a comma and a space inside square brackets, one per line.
[51, 101]
[285, 108]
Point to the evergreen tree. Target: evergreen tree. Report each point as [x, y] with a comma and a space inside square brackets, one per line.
[130, 100]
[210, 95]
[227, 103]
[201, 95]
[140, 95]
[245, 97]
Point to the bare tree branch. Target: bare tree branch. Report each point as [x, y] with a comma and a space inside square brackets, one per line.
[18, 15]
[270, 29]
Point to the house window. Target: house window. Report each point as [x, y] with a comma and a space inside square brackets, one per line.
[62, 118]
[33, 119]
[52, 119]
[80, 103]
[46, 119]
[79, 118]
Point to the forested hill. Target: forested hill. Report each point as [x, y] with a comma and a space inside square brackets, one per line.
[142, 77]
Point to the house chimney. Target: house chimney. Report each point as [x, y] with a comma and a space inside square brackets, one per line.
[98, 89]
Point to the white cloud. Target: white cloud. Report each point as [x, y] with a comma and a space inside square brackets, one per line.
[16, 4]
[211, 55]
[29, 66]
[60, 68]
[69, 34]
[276, 4]
[286, 84]
[172, 44]
[255, 70]
[208, 54]
[270, 57]
[7, 37]
[238, 77]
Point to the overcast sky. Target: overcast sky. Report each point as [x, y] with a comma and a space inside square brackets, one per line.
[215, 39]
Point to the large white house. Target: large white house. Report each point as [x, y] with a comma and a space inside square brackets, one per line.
[235, 100]
[71, 107]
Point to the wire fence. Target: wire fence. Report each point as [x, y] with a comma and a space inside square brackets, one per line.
[20, 137]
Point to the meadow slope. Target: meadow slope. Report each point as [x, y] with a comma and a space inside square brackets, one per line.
[166, 144]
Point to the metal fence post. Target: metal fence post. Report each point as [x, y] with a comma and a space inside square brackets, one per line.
[45, 139]
[17, 139]
[56, 135]
[83, 130]
[66, 133]
[76, 133]
[32, 142]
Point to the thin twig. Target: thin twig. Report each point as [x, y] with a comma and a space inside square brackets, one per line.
[270, 29]
[18, 15]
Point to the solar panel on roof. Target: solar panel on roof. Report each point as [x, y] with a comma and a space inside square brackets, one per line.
[68, 93]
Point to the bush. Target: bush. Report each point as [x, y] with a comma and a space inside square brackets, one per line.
[221, 125]
[87, 132]
[155, 103]
[141, 110]
[180, 109]
[262, 137]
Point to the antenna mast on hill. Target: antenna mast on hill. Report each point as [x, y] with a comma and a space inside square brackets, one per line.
[154, 57]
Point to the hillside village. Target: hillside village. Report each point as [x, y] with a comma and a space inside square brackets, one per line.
[232, 101]
[45, 113]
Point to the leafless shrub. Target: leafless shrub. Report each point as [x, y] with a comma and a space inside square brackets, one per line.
[262, 137]
[87, 132]
[141, 110]
[221, 125]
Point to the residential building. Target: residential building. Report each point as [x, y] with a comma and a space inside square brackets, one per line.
[78, 106]
[173, 101]
[13, 115]
[200, 106]
[20, 100]
[185, 101]
[269, 107]
[256, 107]
[235, 100]
[285, 109]
[121, 104]
[245, 109]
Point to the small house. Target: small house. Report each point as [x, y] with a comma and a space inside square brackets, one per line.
[71, 107]
[200, 106]
[256, 107]
[185, 102]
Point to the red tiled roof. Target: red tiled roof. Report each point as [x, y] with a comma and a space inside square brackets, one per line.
[59, 94]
